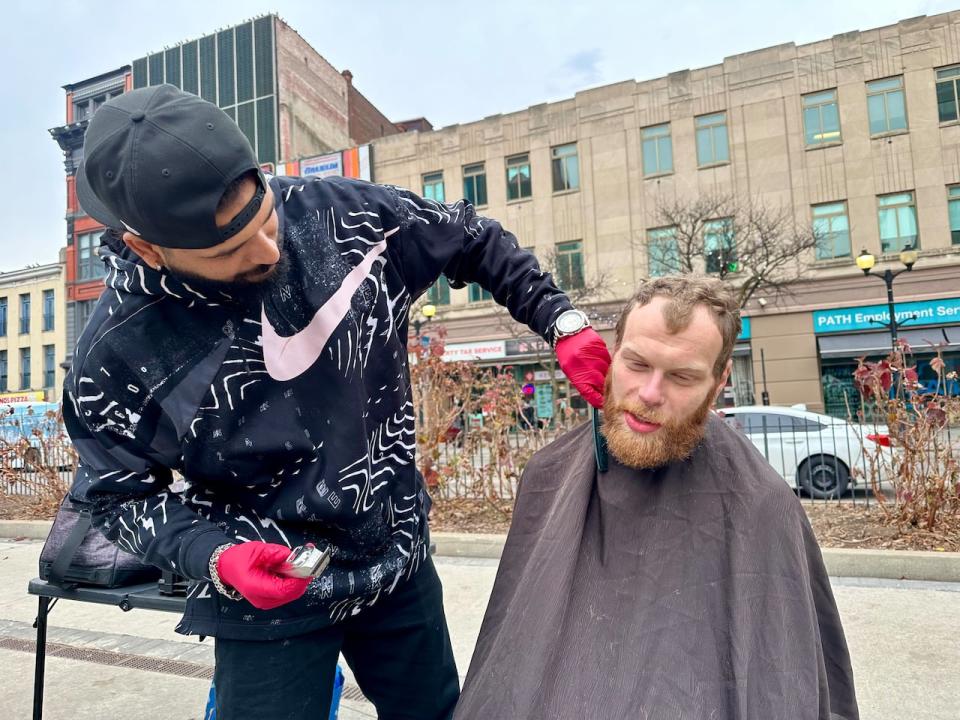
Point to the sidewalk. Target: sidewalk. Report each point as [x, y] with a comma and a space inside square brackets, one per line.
[164, 676]
[903, 640]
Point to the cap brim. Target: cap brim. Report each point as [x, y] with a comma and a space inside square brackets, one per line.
[91, 204]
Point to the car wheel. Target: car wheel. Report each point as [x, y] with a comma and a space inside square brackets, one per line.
[824, 476]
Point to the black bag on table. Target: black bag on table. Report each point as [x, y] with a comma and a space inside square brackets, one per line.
[75, 553]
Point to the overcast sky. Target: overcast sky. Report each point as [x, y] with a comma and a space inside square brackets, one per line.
[449, 61]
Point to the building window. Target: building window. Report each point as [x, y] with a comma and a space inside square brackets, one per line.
[25, 314]
[478, 294]
[82, 312]
[439, 292]
[49, 366]
[657, 148]
[712, 145]
[886, 105]
[232, 68]
[566, 168]
[433, 186]
[821, 118]
[947, 80]
[3, 317]
[475, 184]
[953, 206]
[48, 310]
[663, 253]
[518, 177]
[570, 265]
[89, 266]
[3, 371]
[832, 229]
[897, 215]
[24, 368]
[85, 108]
[719, 247]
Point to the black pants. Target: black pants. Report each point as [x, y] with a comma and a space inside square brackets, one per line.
[399, 651]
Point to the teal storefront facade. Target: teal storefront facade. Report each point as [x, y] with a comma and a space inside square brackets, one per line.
[844, 335]
[739, 390]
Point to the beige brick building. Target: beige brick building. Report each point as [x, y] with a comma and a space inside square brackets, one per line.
[33, 334]
[858, 135]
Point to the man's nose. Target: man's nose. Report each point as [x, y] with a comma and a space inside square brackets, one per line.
[263, 250]
[651, 392]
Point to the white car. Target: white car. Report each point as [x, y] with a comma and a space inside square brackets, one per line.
[820, 454]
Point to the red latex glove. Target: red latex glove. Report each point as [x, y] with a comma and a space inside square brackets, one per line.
[584, 359]
[252, 569]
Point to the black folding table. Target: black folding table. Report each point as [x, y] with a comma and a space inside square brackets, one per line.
[146, 596]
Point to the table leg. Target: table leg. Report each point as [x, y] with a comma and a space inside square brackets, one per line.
[41, 657]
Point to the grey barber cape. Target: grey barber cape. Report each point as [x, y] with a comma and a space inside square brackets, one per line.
[693, 591]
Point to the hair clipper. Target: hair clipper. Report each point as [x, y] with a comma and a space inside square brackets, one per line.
[306, 561]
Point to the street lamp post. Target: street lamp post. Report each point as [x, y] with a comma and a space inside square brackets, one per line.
[866, 261]
[426, 315]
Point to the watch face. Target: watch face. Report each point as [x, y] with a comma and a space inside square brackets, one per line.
[570, 321]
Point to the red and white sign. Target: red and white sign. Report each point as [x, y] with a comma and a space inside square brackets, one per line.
[26, 397]
[490, 350]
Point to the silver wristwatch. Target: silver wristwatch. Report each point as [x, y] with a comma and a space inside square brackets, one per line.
[568, 323]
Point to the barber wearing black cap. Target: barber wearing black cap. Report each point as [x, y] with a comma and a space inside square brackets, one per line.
[253, 338]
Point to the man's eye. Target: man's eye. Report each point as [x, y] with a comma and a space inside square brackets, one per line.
[638, 366]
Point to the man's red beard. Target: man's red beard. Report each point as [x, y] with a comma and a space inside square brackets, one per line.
[674, 440]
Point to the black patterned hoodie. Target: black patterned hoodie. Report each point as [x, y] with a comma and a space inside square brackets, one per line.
[290, 417]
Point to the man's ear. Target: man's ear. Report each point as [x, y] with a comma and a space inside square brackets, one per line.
[148, 252]
[724, 376]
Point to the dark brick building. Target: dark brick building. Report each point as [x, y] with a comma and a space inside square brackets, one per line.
[288, 100]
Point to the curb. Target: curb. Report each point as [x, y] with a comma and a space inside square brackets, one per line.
[25, 529]
[893, 564]
[468, 545]
[840, 562]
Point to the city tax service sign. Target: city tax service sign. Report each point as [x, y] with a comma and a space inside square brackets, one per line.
[872, 317]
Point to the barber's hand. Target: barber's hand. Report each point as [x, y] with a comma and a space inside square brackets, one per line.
[584, 359]
[252, 569]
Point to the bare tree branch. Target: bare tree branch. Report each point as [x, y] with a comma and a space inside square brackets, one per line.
[754, 247]
[583, 292]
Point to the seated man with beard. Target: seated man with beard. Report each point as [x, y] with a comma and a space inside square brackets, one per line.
[682, 582]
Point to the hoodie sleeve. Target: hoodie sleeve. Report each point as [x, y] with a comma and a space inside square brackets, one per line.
[124, 483]
[451, 239]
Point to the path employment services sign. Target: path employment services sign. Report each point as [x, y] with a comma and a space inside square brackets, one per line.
[872, 317]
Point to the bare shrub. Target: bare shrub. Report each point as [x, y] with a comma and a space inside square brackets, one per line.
[925, 465]
[473, 439]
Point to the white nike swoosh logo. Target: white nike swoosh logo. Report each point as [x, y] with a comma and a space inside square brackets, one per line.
[289, 357]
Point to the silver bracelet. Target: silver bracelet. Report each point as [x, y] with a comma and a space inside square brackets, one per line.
[215, 576]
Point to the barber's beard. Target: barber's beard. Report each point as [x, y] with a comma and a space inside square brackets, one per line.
[248, 287]
[675, 439]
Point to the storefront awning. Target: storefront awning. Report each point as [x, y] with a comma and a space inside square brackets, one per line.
[857, 345]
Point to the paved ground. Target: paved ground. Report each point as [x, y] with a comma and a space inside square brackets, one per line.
[903, 636]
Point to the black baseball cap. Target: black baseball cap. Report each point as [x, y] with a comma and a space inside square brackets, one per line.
[157, 161]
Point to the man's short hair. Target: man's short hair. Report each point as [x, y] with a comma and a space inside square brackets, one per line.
[232, 191]
[686, 292]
